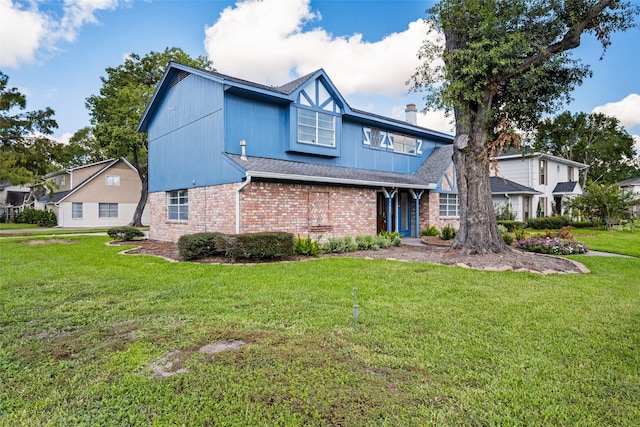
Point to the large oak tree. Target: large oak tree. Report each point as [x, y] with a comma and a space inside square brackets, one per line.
[503, 64]
[116, 111]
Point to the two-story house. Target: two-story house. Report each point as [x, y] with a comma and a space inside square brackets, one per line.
[101, 194]
[234, 156]
[554, 181]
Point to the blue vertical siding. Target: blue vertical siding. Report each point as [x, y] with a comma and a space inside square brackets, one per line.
[186, 137]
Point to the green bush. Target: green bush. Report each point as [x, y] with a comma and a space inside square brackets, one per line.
[367, 243]
[502, 229]
[519, 233]
[259, 246]
[202, 245]
[508, 238]
[124, 233]
[394, 236]
[34, 216]
[306, 246]
[430, 231]
[511, 225]
[548, 222]
[448, 232]
[336, 245]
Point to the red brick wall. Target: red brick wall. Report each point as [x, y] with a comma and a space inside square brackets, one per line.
[430, 213]
[269, 207]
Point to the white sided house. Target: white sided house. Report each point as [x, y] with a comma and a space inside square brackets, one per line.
[101, 194]
[554, 181]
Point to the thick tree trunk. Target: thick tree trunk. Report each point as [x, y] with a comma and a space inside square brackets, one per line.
[144, 193]
[478, 233]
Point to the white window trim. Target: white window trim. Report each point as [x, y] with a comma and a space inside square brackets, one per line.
[317, 128]
[178, 196]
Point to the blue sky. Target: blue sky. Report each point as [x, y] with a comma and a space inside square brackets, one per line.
[56, 51]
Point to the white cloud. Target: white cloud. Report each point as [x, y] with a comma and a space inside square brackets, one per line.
[626, 110]
[25, 29]
[264, 41]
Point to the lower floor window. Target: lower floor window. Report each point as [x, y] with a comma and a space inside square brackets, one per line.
[107, 210]
[449, 205]
[178, 205]
[76, 210]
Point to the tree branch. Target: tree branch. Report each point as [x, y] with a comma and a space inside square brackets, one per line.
[570, 40]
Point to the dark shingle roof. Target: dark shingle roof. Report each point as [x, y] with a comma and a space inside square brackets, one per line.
[290, 87]
[565, 187]
[56, 197]
[502, 185]
[286, 169]
[436, 164]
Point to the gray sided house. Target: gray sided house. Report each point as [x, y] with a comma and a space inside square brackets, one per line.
[234, 156]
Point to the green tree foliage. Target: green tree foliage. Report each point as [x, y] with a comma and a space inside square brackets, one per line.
[605, 202]
[25, 151]
[593, 139]
[82, 149]
[116, 111]
[503, 64]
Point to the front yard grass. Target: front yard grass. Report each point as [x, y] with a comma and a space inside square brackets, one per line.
[81, 326]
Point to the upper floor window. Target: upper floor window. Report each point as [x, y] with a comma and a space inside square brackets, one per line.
[543, 172]
[62, 181]
[404, 144]
[112, 180]
[178, 205]
[570, 173]
[315, 127]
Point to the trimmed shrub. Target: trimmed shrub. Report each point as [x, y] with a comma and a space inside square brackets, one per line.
[306, 246]
[336, 245]
[259, 246]
[448, 232]
[124, 233]
[394, 236]
[581, 224]
[508, 238]
[367, 243]
[34, 216]
[511, 225]
[202, 245]
[430, 231]
[548, 222]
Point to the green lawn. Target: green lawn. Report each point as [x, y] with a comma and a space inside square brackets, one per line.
[81, 327]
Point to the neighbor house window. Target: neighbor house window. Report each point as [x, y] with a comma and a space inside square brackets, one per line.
[112, 180]
[315, 127]
[449, 205]
[178, 205]
[570, 173]
[76, 210]
[107, 210]
[543, 172]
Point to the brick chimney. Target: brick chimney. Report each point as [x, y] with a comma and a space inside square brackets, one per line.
[412, 114]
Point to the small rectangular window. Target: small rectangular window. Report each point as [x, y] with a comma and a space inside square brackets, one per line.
[449, 205]
[113, 180]
[107, 210]
[76, 210]
[404, 144]
[315, 127]
[543, 172]
[178, 205]
[570, 173]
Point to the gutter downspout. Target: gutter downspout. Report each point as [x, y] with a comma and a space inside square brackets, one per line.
[246, 182]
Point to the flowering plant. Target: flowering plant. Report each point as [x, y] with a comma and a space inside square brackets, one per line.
[552, 245]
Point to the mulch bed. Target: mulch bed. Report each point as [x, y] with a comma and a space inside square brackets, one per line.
[433, 252]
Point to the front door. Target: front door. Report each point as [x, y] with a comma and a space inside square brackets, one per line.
[404, 200]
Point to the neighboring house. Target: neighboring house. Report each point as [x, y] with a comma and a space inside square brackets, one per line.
[13, 199]
[633, 186]
[102, 194]
[507, 194]
[554, 180]
[233, 156]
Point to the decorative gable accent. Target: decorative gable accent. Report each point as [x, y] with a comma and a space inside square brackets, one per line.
[448, 181]
[315, 94]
